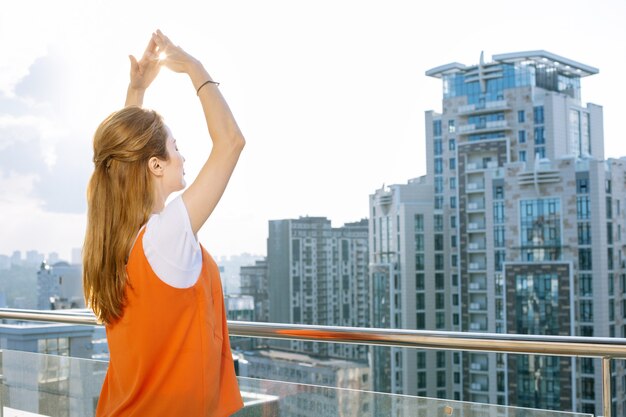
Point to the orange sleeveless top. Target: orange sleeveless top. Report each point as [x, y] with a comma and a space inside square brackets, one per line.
[169, 353]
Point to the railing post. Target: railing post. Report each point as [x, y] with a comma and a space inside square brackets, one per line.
[606, 386]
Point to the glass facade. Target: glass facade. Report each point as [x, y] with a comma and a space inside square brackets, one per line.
[526, 73]
[540, 235]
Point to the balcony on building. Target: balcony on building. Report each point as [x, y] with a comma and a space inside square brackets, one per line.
[480, 166]
[487, 127]
[484, 108]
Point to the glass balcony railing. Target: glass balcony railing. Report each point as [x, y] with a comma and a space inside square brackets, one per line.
[48, 385]
[35, 384]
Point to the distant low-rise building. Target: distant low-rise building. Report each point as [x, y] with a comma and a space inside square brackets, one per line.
[282, 366]
[254, 282]
[59, 286]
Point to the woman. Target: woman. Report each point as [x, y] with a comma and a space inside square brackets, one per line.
[145, 275]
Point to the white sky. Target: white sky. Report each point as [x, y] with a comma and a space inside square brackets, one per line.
[329, 94]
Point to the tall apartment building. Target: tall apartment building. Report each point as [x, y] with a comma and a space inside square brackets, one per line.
[524, 235]
[319, 275]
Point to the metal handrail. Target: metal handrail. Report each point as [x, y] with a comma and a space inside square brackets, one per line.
[604, 348]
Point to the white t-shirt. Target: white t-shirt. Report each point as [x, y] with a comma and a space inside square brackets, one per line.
[170, 246]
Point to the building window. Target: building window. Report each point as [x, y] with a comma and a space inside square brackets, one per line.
[586, 331]
[453, 242]
[584, 259]
[586, 285]
[521, 136]
[586, 366]
[451, 144]
[500, 257]
[54, 346]
[440, 320]
[498, 236]
[419, 261]
[421, 380]
[421, 359]
[498, 192]
[452, 163]
[536, 303]
[441, 378]
[540, 151]
[453, 222]
[419, 301]
[453, 202]
[439, 261]
[540, 138]
[438, 146]
[540, 235]
[584, 233]
[582, 186]
[521, 156]
[438, 166]
[438, 218]
[498, 212]
[441, 359]
[419, 222]
[437, 128]
[439, 281]
[419, 242]
[452, 183]
[538, 115]
[439, 301]
[438, 202]
[438, 241]
[582, 208]
[521, 116]
[586, 310]
[438, 185]
[451, 127]
[420, 321]
[419, 281]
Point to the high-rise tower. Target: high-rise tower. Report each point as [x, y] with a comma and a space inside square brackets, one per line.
[319, 275]
[526, 231]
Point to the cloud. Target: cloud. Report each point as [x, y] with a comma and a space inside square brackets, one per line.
[39, 141]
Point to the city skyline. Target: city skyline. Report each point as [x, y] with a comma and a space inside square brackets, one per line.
[279, 64]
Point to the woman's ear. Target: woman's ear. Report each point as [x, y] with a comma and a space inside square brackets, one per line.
[155, 165]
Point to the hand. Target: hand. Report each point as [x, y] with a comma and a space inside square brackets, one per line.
[173, 56]
[144, 71]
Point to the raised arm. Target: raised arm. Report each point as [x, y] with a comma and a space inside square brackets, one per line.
[142, 73]
[206, 190]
